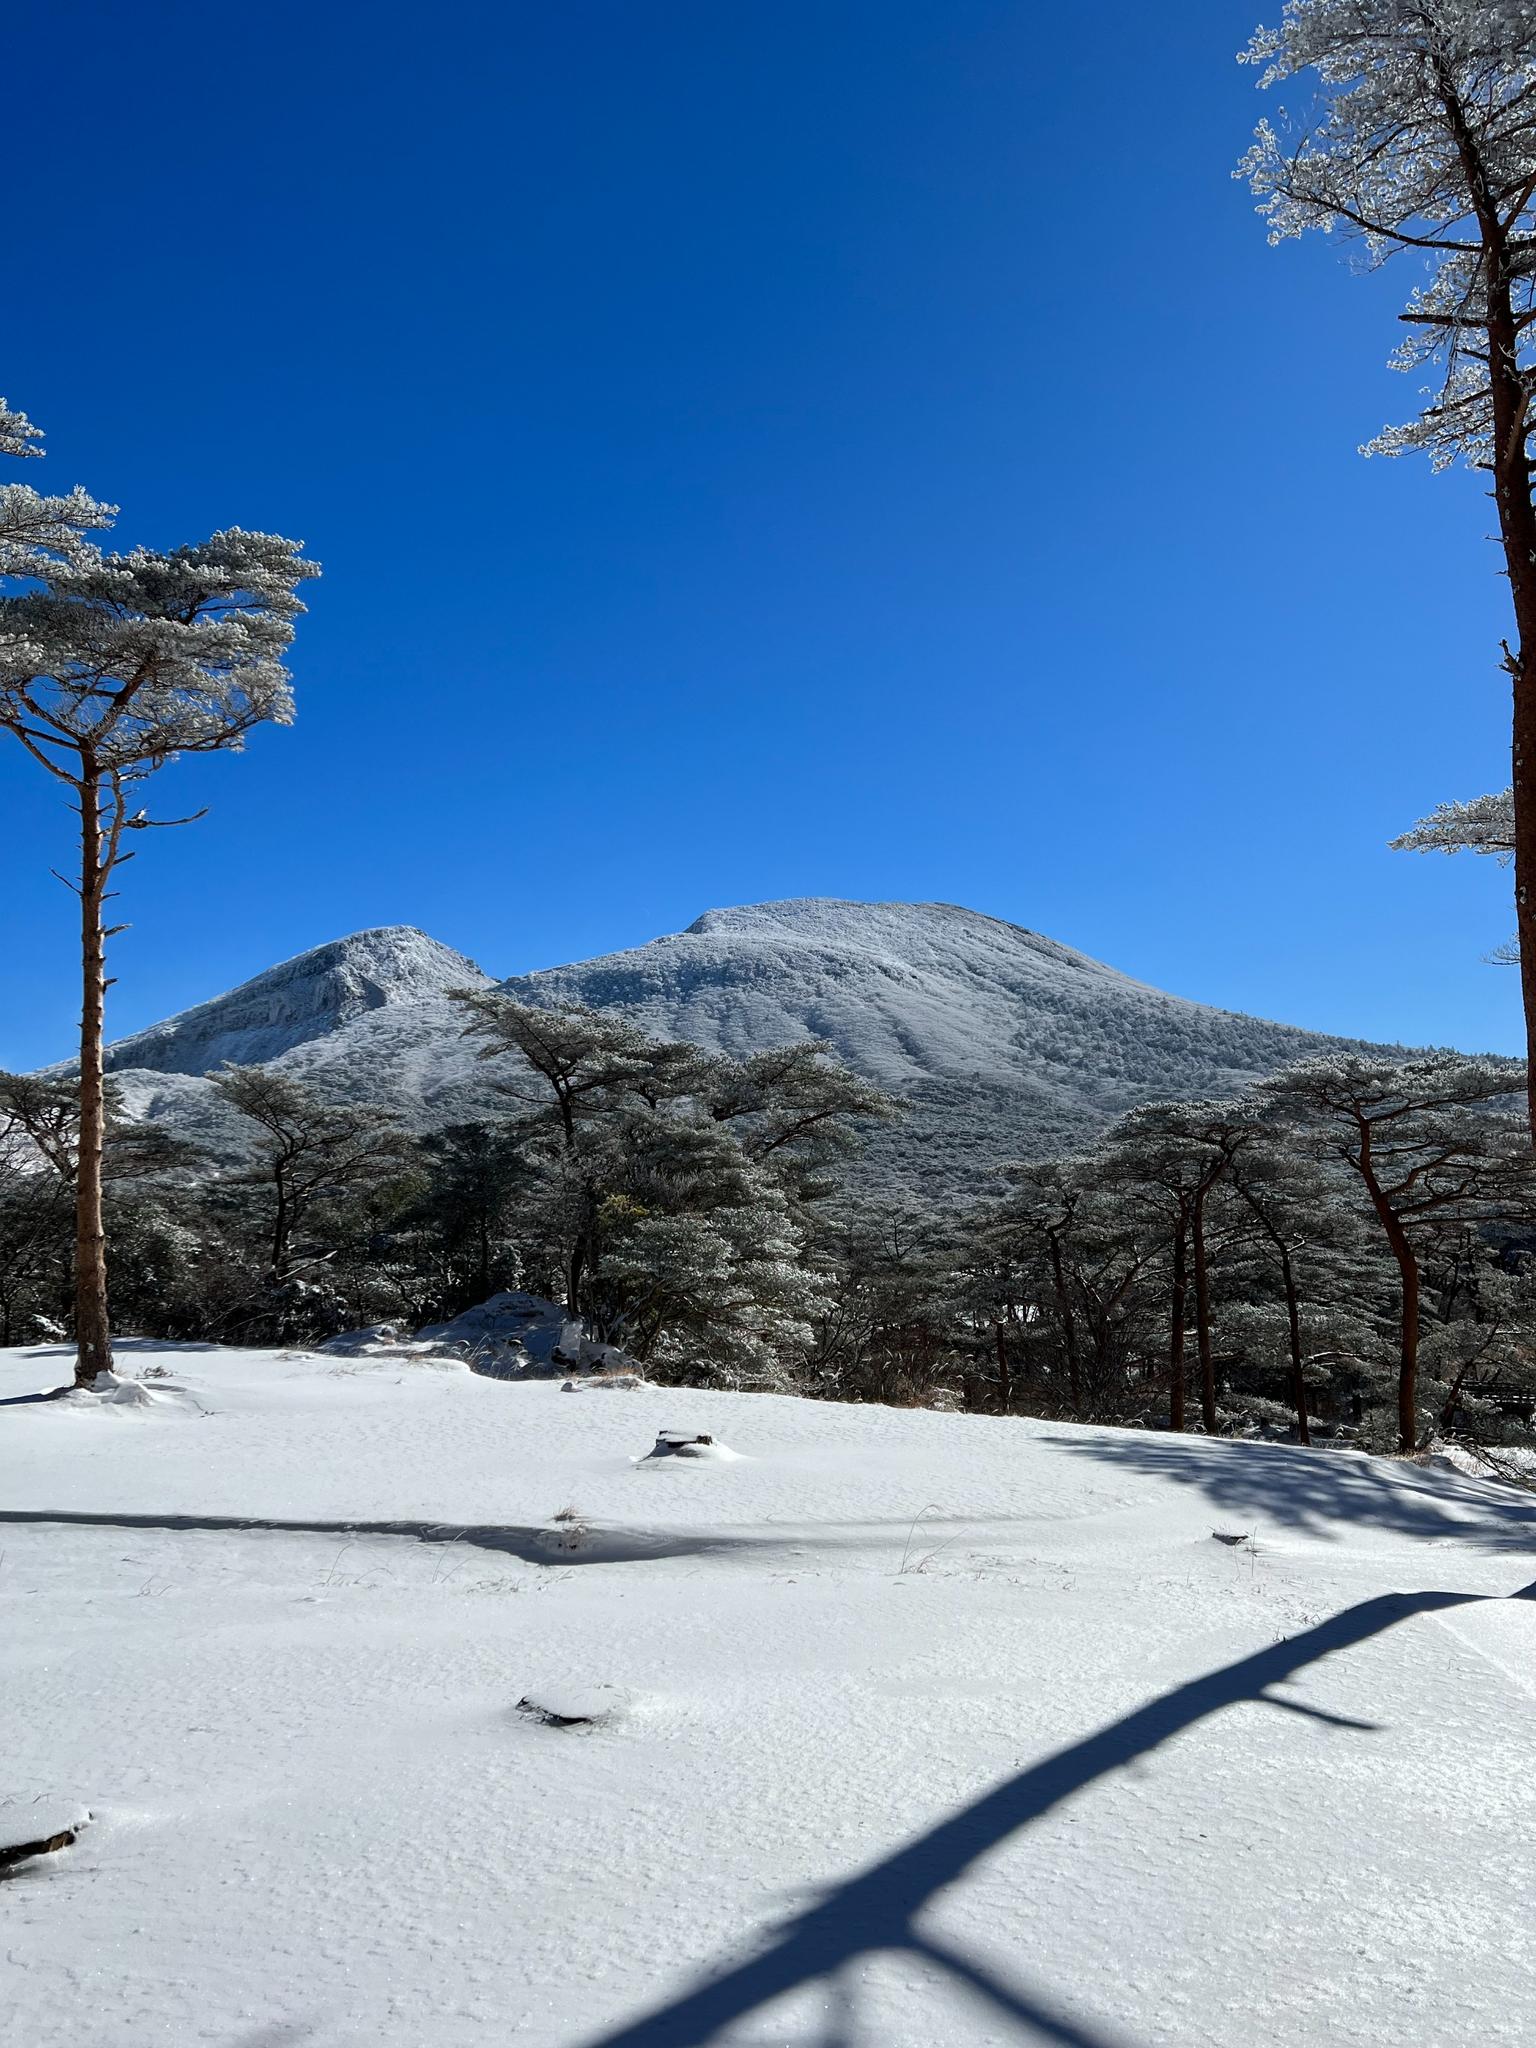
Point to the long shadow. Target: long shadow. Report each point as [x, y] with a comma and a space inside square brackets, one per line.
[602, 1544]
[123, 1344]
[876, 1909]
[1314, 1490]
[533, 1545]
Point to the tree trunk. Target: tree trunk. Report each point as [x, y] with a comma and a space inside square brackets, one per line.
[1518, 529]
[1509, 405]
[1176, 1328]
[1523, 773]
[280, 1226]
[1408, 1315]
[1408, 1346]
[1293, 1320]
[1203, 1319]
[1004, 1374]
[1453, 1400]
[93, 1335]
[574, 1275]
[1068, 1323]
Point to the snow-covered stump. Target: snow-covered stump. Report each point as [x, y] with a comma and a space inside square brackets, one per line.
[677, 1443]
[573, 1706]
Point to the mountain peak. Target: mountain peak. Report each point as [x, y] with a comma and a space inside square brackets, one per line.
[305, 998]
[922, 936]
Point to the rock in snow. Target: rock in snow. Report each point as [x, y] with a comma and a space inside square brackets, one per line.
[1004, 1043]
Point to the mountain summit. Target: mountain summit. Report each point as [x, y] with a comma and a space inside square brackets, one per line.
[311, 996]
[1003, 1042]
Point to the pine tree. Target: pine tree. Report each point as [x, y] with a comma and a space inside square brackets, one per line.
[1422, 139]
[1174, 1154]
[308, 1152]
[1429, 1146]
[111, 666]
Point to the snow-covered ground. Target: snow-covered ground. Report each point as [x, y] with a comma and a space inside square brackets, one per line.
[910, 1729]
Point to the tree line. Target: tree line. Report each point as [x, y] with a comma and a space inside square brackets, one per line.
[1346, 1249]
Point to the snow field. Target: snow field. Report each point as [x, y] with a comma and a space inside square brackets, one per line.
[840, 1667]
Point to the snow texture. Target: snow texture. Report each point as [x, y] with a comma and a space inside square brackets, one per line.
[1005, 1043]
[929, 1729]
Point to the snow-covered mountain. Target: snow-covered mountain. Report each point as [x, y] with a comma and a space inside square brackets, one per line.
[1003, 1042]
[311, 996]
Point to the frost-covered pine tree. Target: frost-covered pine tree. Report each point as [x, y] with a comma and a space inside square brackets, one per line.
[569, 1067]
[111, 666]
[799, 1108]
[1035, 1227]
[1484, 824]
[34, 1227]
[307, 1154]
[667, 1187]
[1301, 1223]
[1421, 138]
[1430, 1147]
[1171, 1156]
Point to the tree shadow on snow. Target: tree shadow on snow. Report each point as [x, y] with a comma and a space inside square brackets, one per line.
[1313, 1490]
[533, 1545]
[603, 1543]
[876, 1911]
[126, 1345]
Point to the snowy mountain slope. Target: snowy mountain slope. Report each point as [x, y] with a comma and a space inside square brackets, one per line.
[917, 1730]
[1004, 1042]
[311, 996]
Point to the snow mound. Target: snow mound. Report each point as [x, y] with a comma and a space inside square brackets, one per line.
[390, 1341]
[626, 1381]
[520, 1336]
[1515, 1464]
[677, 1443]
[108, 1391]
[574, 1706]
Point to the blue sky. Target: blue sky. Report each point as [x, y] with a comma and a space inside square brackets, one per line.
[843, 447]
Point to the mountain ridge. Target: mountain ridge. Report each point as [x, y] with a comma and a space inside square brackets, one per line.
[1004, 1042]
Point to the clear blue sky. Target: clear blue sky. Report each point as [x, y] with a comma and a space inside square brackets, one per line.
[783, 447]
